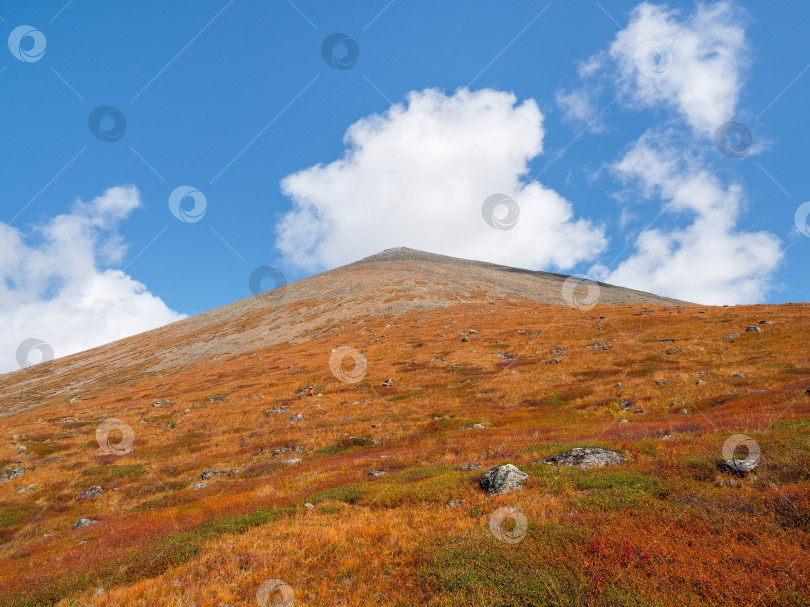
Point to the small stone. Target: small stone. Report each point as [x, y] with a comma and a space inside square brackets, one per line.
[199, 486]
[296, 418]
[766, 322]
[624, 421]
[90, 493]
[470, 467]
[700, 382]
[668, 339]
[24, 489]
[552, 361]
[619, 385]
[475, 427]
[454, 503]
[212, 473]
[731, 336]
[738, 375]
[292, 460]
[753, 329]
[473, 331]
[157, 404]
[672, 351]
[559, 351]
[465, 339]
[84, 522]
[377, 473]
[685, 411]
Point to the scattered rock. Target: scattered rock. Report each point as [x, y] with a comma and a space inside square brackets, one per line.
[157, 404]
[738, 375]
[668, 437]
[700, 382]
[8, 473]
[292, 460]
[660, 382]
[282, 409]
[668, 339]
[296, 418]
[90, 493]
[731, 336]
[503, 479]
[672, 351]
[552, 361]
[454, 503]
[559, 351]
[475, 427]
[473, 331]
[753, 329]
[465, 339]
[586, 457]
[600, 346]
[24, 489]
[506, 356]
[377, 473]
[624, 421]
[212, 473]
[470, 467]
[766, 322]
[387, 383]
[685, 411]
[309, 506]
[84, 522]
[619, 385]
[199, 486]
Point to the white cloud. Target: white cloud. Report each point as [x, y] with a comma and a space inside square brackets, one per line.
[57, 283]
[693, 66]
[708, 261]
[417, 176]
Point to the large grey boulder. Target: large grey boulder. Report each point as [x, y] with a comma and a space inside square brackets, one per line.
[585, 457]
[503, 479]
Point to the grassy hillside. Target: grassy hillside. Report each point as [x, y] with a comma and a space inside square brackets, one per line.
[674, 526]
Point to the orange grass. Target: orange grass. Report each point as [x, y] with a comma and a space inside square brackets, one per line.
[672, 527]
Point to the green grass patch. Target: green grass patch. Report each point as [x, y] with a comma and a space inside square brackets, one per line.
[108, 474]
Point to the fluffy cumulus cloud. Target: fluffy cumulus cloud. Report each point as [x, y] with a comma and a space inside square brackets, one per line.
[708, 260]
[691, 66]
[418, 176]
[58, 283]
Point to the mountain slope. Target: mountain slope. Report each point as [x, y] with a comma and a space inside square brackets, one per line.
[189, 465]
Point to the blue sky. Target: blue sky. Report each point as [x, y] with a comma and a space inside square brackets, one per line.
[546, 100]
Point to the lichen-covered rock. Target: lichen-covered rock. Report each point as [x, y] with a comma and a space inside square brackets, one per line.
[84, 522]
[585, 457]
[503, 479]
[90, 493]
